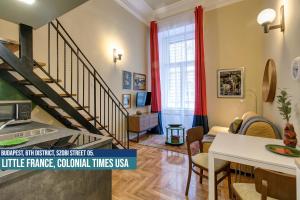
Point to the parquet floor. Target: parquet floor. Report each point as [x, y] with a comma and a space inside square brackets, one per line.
[161, 175]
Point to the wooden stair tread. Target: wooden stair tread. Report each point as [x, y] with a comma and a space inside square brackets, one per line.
[115, 142]
[62, 95]
[8, 41]
[46, 80]
[42, 64]
[10, 44]
[88, 119]
[76, 107]
[79, 126]
[6, 66]
[100, 128]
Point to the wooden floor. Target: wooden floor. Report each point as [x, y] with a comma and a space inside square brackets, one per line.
[161, 175]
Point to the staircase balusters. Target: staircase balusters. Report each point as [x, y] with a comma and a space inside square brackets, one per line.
[112, 117]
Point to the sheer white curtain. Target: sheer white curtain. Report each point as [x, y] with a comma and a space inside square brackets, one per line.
[177, 69]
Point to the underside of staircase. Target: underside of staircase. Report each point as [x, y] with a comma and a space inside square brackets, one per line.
[73, 92]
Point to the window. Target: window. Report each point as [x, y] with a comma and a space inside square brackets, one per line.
[177, 72]
[178, 67]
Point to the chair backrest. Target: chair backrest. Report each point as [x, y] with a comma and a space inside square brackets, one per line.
[193, 136]
[275, 185]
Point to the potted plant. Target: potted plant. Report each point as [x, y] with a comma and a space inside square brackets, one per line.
[285, 109]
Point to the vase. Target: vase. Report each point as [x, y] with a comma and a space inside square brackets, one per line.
[290, 136]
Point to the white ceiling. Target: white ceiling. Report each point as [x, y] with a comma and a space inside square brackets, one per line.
[37, 14]
[147, 10]
[155, 4]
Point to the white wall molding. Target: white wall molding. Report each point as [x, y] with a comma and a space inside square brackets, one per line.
[142, 11]
[220, 3]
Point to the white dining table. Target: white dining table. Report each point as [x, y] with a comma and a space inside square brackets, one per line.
[251, 151]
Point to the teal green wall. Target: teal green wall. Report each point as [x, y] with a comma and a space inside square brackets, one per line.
[7, 92]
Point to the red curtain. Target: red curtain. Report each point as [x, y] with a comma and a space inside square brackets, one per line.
[200, 114]
[155, 76]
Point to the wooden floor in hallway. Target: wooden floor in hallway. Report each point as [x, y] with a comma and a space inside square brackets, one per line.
[161, 175]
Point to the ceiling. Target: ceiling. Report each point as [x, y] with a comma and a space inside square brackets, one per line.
[37, 14]
[156, 4]
[148, 10]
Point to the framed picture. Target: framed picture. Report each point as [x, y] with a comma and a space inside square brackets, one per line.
[231, 83]
[126, 99]
[127, 80]
[139, 81]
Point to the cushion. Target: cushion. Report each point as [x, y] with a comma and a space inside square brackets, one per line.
[235, 126]
[202, 160]
[247, 191]
[261, 129]
[217, 129]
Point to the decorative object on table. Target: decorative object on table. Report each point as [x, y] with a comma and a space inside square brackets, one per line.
[290, 136]
[175, 135]
[175, 125]
[127, 80]
[13, 142]
[283, 150]
[231, 83]
[269, 81]
[138, 112]
[296, 69]
[126, 99]
[285, 109]
[139, 81]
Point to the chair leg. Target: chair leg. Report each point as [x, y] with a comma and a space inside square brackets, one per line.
[201, 174]
[216, 186]
[188, 182]
[229, 182]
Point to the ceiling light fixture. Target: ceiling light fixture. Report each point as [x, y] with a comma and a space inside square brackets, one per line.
[29, 2]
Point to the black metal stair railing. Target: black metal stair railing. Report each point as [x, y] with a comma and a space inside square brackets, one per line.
[70, 69]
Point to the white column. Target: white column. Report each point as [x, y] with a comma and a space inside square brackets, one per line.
[211, 176]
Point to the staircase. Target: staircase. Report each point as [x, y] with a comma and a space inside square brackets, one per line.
[68, 86]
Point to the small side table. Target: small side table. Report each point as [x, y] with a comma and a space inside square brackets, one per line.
[175, 135]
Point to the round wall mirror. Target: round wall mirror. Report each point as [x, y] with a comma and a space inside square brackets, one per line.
[269, 81]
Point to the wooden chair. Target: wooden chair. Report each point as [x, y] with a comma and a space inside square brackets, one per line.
[268, 185]
[200, 160]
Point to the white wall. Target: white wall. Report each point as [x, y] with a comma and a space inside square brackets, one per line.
[283, 48]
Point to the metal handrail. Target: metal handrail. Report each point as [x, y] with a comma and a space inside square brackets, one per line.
[94, 81]
[79, 50]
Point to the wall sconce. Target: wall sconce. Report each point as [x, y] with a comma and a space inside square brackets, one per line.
[117, 55]
[268, 16]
